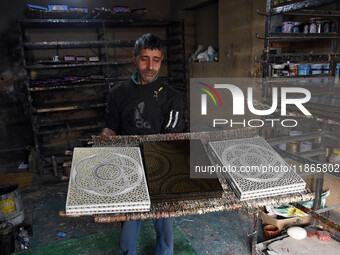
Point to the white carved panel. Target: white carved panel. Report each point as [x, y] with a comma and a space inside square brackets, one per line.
[107, 180]
[254, 169]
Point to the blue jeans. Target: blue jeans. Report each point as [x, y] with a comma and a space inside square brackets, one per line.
[129, 234]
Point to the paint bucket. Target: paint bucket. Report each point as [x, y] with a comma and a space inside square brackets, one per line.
[7, 240]
[10, 204]
[306, 146]
[304, 69]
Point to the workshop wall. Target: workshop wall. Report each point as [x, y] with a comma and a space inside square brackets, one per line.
[15, 124]
[238, 23]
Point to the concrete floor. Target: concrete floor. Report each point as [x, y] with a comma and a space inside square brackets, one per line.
[212, 233]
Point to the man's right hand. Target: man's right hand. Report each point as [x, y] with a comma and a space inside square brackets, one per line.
[107, 131]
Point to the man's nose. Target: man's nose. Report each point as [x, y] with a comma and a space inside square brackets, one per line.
[150, 65]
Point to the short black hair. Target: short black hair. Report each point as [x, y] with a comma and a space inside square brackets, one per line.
[148, 41]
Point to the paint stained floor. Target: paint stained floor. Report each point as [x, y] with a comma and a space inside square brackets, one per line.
[212, 233]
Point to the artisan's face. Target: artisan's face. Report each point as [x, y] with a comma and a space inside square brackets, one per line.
[148, 64]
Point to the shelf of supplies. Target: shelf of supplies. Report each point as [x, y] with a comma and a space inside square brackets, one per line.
[314, 13]
[65, 129]
[73, 65]
[76, 44]
[297, 78]
[306, 54]
[66, 86]
[321, 57]
[69, 108]
[298, 5]
[65, 122]
[301, 36]
[85, 44]
[107, 22]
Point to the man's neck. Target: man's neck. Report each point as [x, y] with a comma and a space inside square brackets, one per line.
[141, 81]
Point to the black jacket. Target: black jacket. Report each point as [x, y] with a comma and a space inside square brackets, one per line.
[135, 109]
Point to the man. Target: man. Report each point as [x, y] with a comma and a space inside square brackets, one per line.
[145, 105]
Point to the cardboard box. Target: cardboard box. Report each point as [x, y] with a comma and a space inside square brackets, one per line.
[282, 223]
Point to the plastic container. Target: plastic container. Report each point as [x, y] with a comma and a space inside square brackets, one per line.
[319, 25]
[296, 28]
[326, 26]
[335, 157]
[304, 69]
[285, 73]
[306, 29]
[287, 26]
[312, 26]
[277, 70]
[293, 69]
[282, 146]
[317, 68]
[11, 206]
[306, 146]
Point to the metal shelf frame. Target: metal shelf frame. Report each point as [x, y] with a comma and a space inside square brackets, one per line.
[296, 8]
[76, 64]
[299, 8]
[297, 5]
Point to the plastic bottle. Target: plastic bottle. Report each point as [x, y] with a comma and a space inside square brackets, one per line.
[312, 27]
[23, 239]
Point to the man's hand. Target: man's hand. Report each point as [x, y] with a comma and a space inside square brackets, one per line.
[106, 132]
